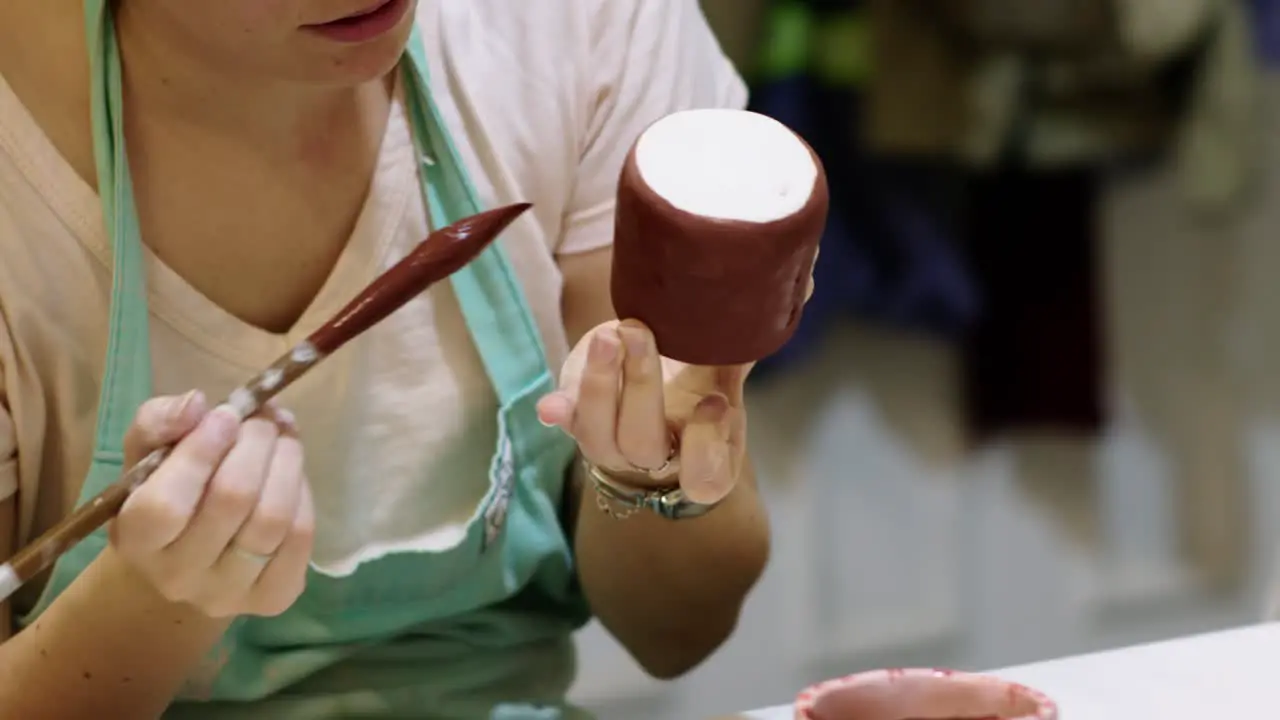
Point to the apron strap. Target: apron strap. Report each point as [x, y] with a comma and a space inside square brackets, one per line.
[126, 381]
[505, 333]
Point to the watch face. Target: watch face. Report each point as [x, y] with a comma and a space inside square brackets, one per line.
[675, 506]
[617, 499]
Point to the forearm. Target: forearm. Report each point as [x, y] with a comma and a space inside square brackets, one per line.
[670, 591]
[108, 647]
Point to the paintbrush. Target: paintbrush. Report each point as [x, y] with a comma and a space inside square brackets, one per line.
[443, 253]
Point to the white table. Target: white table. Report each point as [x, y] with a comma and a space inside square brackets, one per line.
[1227, 675]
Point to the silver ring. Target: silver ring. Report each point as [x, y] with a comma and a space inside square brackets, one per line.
[253, 557]
[666, 464]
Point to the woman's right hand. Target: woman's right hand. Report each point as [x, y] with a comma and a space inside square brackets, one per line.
[226, 522]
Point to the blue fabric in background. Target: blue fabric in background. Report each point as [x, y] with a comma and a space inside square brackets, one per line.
[886, 256]
[935, 249]
[1266, 24]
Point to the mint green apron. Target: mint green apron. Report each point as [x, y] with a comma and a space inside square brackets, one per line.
[482, 630]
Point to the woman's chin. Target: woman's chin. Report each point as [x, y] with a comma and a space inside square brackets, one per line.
[356, 63]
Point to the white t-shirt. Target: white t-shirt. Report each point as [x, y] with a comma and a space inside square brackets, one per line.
[543, 100]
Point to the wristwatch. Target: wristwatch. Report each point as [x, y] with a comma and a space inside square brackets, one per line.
[620, 501]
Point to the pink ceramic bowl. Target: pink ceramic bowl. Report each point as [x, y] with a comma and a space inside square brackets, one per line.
[922, 694]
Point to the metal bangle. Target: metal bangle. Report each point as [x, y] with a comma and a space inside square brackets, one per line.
[617, 500]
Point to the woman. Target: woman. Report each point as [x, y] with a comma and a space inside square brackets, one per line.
[435, 550]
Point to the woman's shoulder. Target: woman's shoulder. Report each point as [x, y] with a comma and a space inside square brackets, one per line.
[557, 63]
[507, 43]
[555, 92]
[548, 27]
[565, 37]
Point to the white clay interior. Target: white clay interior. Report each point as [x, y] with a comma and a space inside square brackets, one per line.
[727, 165]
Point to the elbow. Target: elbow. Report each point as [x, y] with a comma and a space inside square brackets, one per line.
[689, 640]
[682, 628]
[673, 655]
[692, 638]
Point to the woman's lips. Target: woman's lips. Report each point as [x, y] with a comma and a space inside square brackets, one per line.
[365, 25]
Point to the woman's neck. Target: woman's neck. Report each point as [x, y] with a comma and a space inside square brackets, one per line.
[170, 82]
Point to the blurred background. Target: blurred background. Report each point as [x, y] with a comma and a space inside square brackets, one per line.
[1034, 408]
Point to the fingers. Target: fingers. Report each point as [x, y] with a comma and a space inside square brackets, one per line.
[642, 437]
[595, 415]
[270, 522]
[611, 398]
[808, 288]
[706, 468]
[161, 422]
[226, 507]
[283, 579]
[233, 577]
[254, 548]
[230, 497]
[613, 401]
[160, 509]
[556, 410]
[731, 380]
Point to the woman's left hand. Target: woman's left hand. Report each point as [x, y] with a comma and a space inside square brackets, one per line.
[645, 419]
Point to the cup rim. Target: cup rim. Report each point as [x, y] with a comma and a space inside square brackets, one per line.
[1046, 709]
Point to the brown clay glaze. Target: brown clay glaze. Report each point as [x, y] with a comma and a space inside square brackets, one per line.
[443, 253]
[714, 292]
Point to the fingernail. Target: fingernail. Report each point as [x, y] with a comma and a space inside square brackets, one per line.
[542, 420]
[223, 424]
[287, 419]
[179, 406]
[604, 346]
[553, 405]
[635, 339]
[711, 409]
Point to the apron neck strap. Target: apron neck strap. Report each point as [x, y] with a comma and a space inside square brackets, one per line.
[505, 332]
[126, 381]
